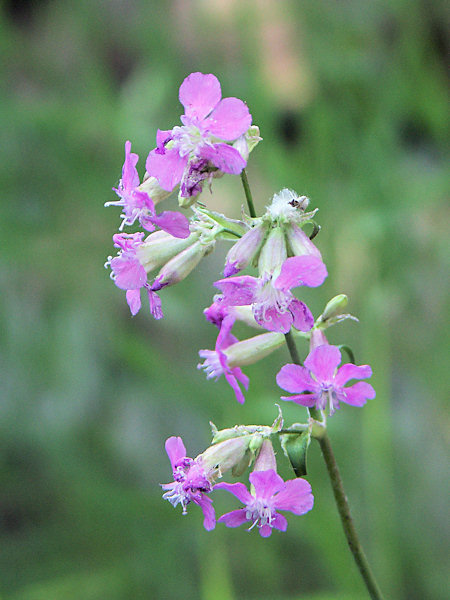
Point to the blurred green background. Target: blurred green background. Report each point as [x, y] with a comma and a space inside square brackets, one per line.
[350, 97]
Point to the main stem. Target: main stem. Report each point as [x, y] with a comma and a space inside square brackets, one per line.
[340, 496]
[248, 194]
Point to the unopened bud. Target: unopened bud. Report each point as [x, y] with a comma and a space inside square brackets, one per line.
[159, 247]
[179, 267]
[334, 307]
[250, 351]
[273, 253]
[225, 455]
[317, 339]
[246, 142]
[299, 243]
[242, 253]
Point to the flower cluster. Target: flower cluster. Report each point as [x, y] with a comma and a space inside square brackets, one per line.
[215, 137]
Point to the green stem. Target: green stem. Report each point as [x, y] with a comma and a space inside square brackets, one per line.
[339, 494]
[346, 519]
[248, 194]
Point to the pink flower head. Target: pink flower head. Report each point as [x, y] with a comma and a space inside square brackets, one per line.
[137, 205]
[320, 383]
[182, 154]
[271, 494]
[191, 482]
[216, 361]
[274, 306]
[128, 273]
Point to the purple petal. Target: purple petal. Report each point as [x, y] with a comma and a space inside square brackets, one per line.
[356, 395]
[350, 371]
[205, 503]
[265, 531]
[323, 361]
[266, 483]
[279, 522]
[173, 222]
[237, 489]
[271, 319]
[175, 450]
[238, 291]
[296, 497]
[130, 177]
[234, 518]
[129, 273]
[295, 379]
[134, 301]
[303, 318]
[307, 400]
[168, 168]
[199, 94]
[224, 157]
[155, 304]
[301, 270]
[229, 120]
[233, 378]
[162, 137]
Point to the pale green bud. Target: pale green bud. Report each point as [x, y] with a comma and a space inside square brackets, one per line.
[273, 253]
[159, 247]
[181, 265]
[250, 351]
[226, 454]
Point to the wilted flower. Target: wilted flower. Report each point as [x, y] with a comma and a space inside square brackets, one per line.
[191, 482]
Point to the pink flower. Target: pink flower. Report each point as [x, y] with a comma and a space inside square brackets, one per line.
[274, 306]
[139, 206]
[128, 273]
[183, 153]
[216, 361]
[271, 494]
[191, 482]
[320, 383]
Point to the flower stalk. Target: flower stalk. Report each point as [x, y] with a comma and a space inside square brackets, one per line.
[339, 494]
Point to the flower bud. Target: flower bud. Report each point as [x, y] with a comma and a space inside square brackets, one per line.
[160, 247]
[299, 243]
[225, 455]
[242, 253]
[334, 307]
[266, 457]
[179, 267]
[273, 253]
[317, 339]
[253, 349]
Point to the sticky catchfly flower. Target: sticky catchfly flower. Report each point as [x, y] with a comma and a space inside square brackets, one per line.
[274, 306]
[270, 495]
[129, 274]
[191, 482]
[320, 383]
[137, 205]
[185, 153]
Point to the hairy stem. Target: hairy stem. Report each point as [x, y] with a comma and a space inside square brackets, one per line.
[248, 194]
[340, 496]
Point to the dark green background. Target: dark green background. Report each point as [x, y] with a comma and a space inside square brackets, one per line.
[350, 97]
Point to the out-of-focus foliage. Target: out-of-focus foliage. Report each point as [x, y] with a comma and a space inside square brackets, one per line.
[350, 98]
